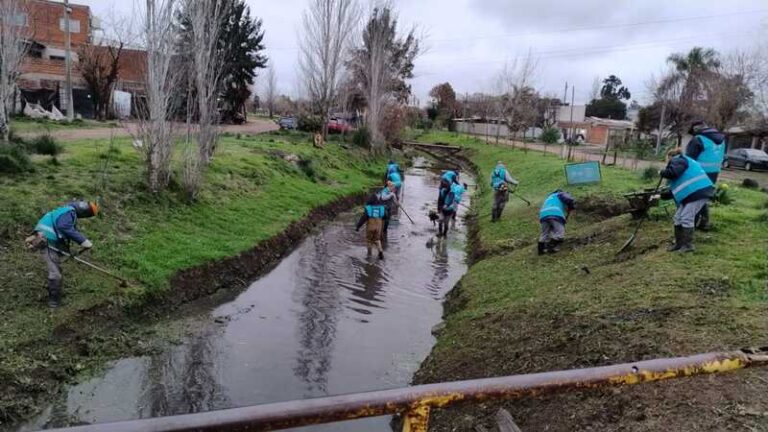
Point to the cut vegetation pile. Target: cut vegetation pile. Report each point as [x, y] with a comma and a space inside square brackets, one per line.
[255, 188]
[515, 312]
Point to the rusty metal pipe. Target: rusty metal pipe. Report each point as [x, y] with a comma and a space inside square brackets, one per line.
[283, 415]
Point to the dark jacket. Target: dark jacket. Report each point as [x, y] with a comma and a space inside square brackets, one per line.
[570, 203]
[675, 168]
[66, 225]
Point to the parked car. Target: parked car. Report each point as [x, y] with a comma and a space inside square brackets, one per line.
[287, 123]
[339, 126]
[749, 159]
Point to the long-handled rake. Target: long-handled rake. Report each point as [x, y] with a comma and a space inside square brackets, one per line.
[631, 240]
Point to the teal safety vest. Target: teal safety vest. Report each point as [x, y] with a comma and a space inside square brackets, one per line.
[693, 179]
[552, 207]
[499, 177]
[47, 224]
[458, 191]
[393, 168]
[711, 159]
[395, 178]
[375, 211]
[449, 176]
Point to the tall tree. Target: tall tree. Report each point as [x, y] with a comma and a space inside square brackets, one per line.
[381, 67]
[99, 65]
[328, 28]
[610, 104]
[612, 89]
[270, 90]
[161, 79]
[241, 43]
[444, 101]
[13, 48]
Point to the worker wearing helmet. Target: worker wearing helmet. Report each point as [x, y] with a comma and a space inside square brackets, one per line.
[59, 228]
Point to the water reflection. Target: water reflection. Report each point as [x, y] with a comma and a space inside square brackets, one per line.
[326, 320]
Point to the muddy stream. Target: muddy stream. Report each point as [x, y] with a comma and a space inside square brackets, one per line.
[326, 320]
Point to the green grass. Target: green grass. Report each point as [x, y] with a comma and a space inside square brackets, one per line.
[23, 125]
[516, 312]
[251, 193]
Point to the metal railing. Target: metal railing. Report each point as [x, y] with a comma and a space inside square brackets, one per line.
[415, 403]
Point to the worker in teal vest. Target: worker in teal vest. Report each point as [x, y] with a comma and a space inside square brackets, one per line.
[373, 218]
[500, 179]
[447, 179]
[707, 147]
[388, 197]
[59, 228]
[691, 188]
[553, 216]
[395, 175]
[450, 208]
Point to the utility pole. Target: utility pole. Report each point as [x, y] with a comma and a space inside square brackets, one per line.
[570, 138]
[68, 57]
[661, 124]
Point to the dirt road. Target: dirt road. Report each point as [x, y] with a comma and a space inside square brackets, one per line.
[254, 126]
[595, 153]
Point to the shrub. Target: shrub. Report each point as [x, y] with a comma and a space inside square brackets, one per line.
[14, 159]
[550, 135]
[309, 123]
[650, 173]
[307, 166]
[722, 196]
[45, 145]
[362, 137]
[750, 184]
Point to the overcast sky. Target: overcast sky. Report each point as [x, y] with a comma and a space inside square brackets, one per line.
[468, 41]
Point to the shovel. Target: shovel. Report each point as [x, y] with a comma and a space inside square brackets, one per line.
[123, 282]
[639, 224]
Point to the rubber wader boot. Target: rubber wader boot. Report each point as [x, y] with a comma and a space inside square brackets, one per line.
[678, 239]
[54, 293]
[554, 246]
[542, 248]
[687, 239]
[702, 221]
[381, 255]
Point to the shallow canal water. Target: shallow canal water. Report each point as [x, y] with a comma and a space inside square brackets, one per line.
[327, 320]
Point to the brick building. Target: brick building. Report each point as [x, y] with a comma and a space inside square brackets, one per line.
[43, 72]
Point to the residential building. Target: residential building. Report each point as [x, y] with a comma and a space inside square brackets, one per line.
[43, 72]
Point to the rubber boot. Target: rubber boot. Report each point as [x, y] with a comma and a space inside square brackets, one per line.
[381, 255]
[678, 239]
[54, 293]
[702, 220]
[687, 240]
[542, 248]
[554, 246]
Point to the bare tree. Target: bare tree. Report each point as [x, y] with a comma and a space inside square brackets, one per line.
[270, 90]
[13, 48]
[381, 65]
[594, 91]
[155, 133]
[517, 104]
[328, 28]
[204, 20]
[100, 65]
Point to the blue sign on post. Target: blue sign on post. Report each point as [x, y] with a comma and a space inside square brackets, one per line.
[580, 173]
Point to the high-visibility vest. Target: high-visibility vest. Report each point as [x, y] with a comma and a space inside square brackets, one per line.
[393, 167]
[375, 211]
[711, 159]
[395, 178]
[552, 206]
[449, 176]
[453, 204]
[47, 224]
[499, 177]
[692, 180]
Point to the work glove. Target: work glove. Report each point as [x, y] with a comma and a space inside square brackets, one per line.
[86, 244]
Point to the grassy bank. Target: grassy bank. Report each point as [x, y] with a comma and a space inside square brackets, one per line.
[24, 125]
[515, 312]
[255, 188]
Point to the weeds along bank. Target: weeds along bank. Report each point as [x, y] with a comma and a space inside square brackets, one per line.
[515, 312]
[257, 187]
